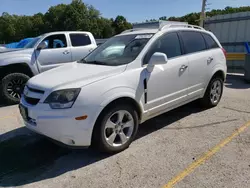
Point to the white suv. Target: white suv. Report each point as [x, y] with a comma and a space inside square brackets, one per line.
[132, 77]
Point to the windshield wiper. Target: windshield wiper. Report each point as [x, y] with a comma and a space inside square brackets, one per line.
[94, 62]
[81, 61]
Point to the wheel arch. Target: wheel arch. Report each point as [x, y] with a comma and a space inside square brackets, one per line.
[118, 100]
[217, 72]
[220, 73]
[16, 68]
[124, 100]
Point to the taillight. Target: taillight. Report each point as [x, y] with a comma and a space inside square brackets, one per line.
[225, 52]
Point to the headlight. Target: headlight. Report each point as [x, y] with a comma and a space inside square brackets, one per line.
[62, 99]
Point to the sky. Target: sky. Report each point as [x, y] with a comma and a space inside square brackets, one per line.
[132, 10]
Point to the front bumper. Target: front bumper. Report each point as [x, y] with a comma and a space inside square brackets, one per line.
[61, 125]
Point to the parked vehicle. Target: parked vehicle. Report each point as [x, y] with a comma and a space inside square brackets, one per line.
[45, 52]
[102, 99]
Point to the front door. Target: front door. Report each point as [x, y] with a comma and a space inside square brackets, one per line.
[57, 53]
[167, 83]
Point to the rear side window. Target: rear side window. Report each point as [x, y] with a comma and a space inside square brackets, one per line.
[79, 40]
[193, 41]
[211, 43]
[168, 44]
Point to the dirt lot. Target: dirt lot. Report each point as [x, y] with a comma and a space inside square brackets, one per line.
[187, 147]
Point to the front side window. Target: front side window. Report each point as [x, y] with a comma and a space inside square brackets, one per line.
[168, 44]
[118, 50]
[211, 43]
[79, 40]
[193, 41]
[56, 41]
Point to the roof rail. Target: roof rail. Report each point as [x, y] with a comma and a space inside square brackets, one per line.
[161, 25]
[181, 25]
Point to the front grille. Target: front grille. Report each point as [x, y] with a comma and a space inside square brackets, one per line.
[35, 90]
[31, 101]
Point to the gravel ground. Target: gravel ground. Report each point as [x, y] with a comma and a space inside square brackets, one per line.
[165, 147]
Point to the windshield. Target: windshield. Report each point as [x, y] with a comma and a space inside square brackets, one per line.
[118, 50]
[32, 43]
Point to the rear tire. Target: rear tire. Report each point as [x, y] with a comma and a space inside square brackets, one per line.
[213, 93]
[115, 129]
[12, 86]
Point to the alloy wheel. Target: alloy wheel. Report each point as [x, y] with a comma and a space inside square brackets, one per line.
[15, 88]
[119, 128]
[216, 90]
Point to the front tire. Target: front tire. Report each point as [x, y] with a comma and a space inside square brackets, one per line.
[12, 86]
[115, 129]
[213, 93]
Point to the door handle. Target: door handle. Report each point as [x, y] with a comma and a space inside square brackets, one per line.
[66, 52]
[90, 50]
[210, 59]
[183, 68]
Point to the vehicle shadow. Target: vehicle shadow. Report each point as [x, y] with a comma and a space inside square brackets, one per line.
[28, 158]
[3, 103]
[236, 82]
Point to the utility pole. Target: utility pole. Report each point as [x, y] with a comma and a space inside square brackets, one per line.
[202, 16]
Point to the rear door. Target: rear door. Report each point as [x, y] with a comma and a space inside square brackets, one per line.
[81, 45]
[57, 52]
[198, 56]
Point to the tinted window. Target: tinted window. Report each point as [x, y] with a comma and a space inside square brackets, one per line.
[56, 41]
[168, 44]
[210, 41]
[79, 39]
[193, 41]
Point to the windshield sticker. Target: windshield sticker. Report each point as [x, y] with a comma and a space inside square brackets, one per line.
[143, 36]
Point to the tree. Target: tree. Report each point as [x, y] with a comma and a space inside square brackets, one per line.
[7, 28]
[38, 24]
[78, 16]
[163, 18]
[120, 24]
[193, 18]
[105, 28]
[54, 18]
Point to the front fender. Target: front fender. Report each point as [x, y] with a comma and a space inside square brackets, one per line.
[26, 59]
[121, 92]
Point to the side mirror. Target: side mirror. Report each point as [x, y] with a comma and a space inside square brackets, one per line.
[42, 45]
[157, 58]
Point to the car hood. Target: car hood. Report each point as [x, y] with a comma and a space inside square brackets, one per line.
[15, 53]
[73, 75]
[5, 50]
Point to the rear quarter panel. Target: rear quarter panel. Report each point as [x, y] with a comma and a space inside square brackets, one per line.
[218, 64]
